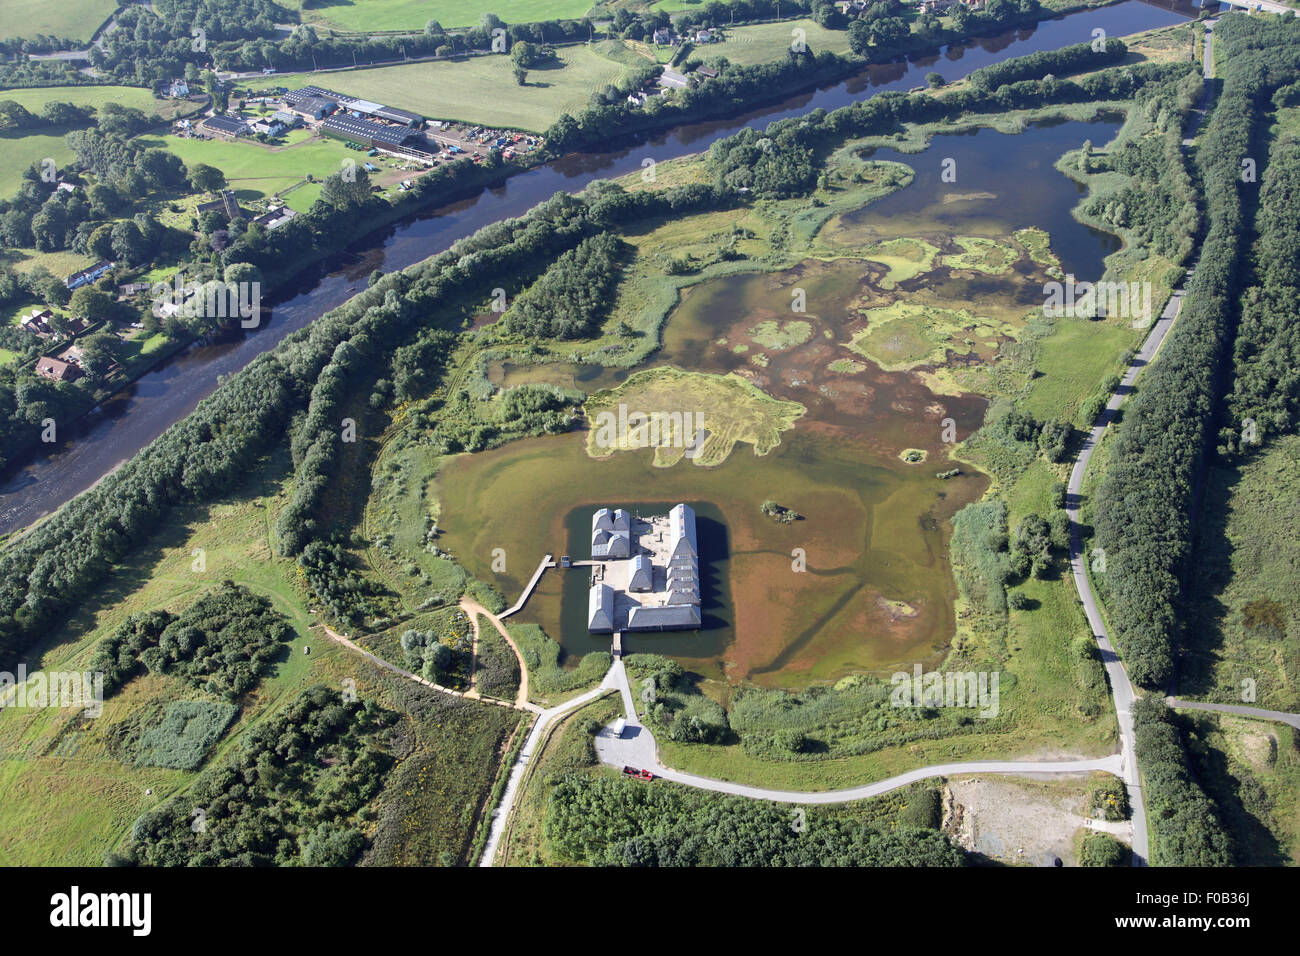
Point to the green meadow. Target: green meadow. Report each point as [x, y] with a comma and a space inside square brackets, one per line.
[19, 152]
[482, 89]
[75, 19]
[414, 14]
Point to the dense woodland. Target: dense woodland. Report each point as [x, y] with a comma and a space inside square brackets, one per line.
[1144, 504]
[1266, 352]
[609, 822]
[1186, 824]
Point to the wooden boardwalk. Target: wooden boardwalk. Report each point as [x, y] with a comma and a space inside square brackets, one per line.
[547, 562]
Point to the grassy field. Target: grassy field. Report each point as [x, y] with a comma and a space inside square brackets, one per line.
[771, 41]
[414, 14]
[260, 172]
[77, 19]
[481, 89]
[1252, 770]
[19, 152]
[1247, 611]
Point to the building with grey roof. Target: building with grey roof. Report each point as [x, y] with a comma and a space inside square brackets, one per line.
[611, 534]
[370, 133]
[648, 574]
[667, 617]
[600, 609]
[225, 126]
[643, 574]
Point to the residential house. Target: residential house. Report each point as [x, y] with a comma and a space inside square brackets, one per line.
[38, 323]
[269, 127]
[78, 279]
[57, 370]
[663, 36]
[275, 218]
[179, 89]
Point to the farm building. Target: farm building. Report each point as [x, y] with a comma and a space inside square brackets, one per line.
[361, 109]
[225, 126]
[311, 103]
[370, 133]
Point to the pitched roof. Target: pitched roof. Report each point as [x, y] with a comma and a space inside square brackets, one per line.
[663, 617]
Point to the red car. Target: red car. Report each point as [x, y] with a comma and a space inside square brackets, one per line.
[639, 774]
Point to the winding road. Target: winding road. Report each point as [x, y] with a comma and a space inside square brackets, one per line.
[637, 748]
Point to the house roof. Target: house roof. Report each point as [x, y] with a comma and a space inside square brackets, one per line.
[600, 608]
[663, 617]
[226, 124]
[57, 369]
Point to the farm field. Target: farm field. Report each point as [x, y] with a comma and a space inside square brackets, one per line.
[17, 154]
[75, 19]
[481, 89]
[135, 97]
[414, 14]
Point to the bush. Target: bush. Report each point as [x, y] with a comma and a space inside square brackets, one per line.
[1102, 849]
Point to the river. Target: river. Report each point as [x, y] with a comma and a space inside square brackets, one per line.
[115, 431]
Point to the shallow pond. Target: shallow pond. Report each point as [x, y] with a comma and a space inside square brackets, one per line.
[876, 589]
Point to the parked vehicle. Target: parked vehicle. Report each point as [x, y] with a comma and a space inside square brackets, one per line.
[638, 774]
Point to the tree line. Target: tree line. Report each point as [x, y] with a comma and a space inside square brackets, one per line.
[1145, 501]
[609, 822]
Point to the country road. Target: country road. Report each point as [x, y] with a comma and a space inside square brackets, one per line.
[501, 813]
[1278, 715]
[1121, 689]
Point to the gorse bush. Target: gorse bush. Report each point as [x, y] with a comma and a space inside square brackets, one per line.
[221, 643]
